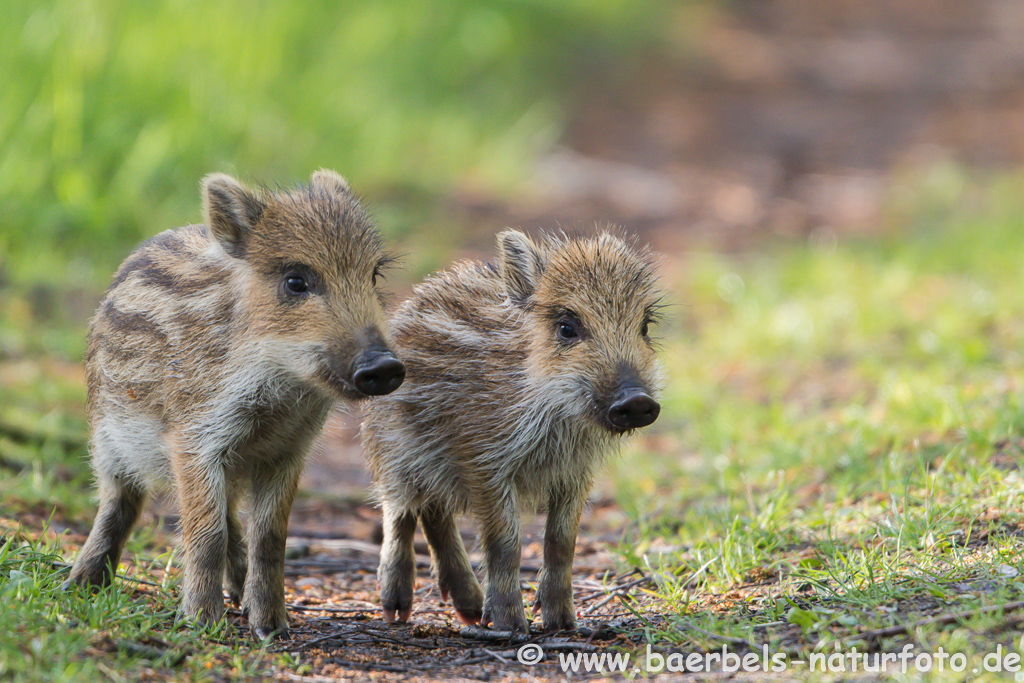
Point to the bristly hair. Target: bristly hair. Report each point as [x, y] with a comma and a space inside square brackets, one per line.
[655, 311]
[383, 265]
[499, 409]
[386, 262]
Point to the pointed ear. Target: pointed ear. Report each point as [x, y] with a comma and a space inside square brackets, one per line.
[520, 264]
[329, 181]
[231, 211]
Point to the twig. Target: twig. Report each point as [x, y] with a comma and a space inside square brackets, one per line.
[333, 610]
[397, 641]
[598, 605]
[616, 589]
[293, 568]
[335, 545]
[568, 645]
[316, 641]
[947, 618]
[495, 636]
[496, 656]
[620, 592]
[372, 633]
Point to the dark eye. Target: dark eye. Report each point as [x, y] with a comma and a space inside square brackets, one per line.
[296, 284]
[645, 328]
[567, 331]
[376, 274]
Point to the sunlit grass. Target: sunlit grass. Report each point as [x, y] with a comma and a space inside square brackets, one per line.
[845, 420]
[124, 632]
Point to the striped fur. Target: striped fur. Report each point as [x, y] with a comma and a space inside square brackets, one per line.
[206, 372]
[497, 413]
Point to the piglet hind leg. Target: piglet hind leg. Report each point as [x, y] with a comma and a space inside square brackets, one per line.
[397, 571]
[451, 565]
[237, 566]
[121, 502]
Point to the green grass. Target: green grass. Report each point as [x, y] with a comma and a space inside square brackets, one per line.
[845, 421]
[122, 633]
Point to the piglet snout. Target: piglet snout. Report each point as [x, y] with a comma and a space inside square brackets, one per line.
[377, 373]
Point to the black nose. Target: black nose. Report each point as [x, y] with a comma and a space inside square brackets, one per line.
[633, 410]
[379, 375]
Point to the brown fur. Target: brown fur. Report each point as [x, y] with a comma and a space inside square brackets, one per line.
[499, 411]
[207, 370]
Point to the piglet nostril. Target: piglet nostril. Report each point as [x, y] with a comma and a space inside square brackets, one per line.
[633, 411]
[380, 375]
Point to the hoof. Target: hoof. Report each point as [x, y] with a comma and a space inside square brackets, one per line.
[469, 617]
[261, 633]
[514, 621]
[560, 626]
[397, 617]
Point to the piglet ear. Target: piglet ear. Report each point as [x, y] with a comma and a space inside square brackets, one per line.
[232, 211]
[331, 182]
[520, 264]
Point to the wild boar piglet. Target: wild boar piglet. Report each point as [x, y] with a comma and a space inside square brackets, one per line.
[522, 376]
[212, 364]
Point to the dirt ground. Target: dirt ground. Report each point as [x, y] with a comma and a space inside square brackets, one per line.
[339, 573]
[335, 618]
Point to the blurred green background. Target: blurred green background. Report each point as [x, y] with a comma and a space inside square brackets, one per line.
[112, 111]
